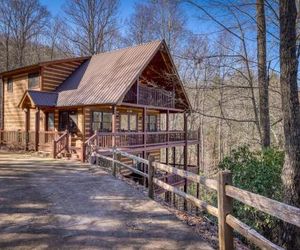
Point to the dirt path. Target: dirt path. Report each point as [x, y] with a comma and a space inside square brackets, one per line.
[47, 204]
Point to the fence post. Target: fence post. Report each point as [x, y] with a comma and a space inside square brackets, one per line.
[150, 177]
[224, 207]
[114, 164]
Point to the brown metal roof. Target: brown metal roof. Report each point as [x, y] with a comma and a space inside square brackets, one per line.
[105, 77]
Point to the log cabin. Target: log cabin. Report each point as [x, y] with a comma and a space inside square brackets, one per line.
[127, 98]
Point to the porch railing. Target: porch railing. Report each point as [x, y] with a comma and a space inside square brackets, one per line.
[104, 140]
[18, 139]
[135, 139]
[29, 140]
[156, 97]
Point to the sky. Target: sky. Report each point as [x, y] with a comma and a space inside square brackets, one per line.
[126, 9]
[54, 6]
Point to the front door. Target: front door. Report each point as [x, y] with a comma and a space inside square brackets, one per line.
[68, 120]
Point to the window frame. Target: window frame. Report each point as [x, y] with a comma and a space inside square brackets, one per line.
[101, 122]
[10, 85]
[148, 123]
[128, 122]
[34, 75]
[47, 121]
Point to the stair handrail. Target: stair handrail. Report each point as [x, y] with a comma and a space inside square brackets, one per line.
[57, 148]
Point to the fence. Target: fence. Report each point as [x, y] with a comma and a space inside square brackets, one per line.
[226, 192]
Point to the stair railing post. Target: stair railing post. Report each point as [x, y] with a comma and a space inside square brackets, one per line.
[83, 151]
[150, 176]
[68, 141]
[114, 170]
[225, 208]
[54, 149]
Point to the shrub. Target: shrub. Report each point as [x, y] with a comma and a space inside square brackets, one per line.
[258, 172]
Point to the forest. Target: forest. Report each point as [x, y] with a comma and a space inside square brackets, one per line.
[238, 61]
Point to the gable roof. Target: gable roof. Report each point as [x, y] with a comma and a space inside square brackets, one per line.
[107, 76]
[104, 78]
[40, 98]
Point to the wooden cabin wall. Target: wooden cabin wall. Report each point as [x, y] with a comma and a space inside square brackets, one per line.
[53, 75]
[14, 117]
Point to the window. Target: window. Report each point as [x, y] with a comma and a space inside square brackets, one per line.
[128, 122]
[50, 121]
[151, 121]
[33, 80]
[10, 85]
[68, 120]
[102, 121]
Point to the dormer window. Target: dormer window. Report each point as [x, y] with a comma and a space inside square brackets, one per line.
[33, 81]
[10, 86]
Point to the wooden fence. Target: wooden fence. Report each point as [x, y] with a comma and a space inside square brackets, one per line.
[226, 192]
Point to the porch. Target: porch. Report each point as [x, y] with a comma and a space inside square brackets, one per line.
[56, 142]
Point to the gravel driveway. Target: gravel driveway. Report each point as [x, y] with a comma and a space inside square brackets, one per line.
[48, 204]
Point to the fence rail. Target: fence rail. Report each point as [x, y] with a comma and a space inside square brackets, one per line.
[226, 193]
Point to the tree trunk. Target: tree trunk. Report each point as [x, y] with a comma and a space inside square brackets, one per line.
[291, 116]
[263, 82]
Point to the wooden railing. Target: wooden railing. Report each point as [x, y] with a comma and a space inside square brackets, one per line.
[134, 139]
[226, 192]
[60, 144]
[47, 137]
[155, 97]
[30, 140]
[18, 139]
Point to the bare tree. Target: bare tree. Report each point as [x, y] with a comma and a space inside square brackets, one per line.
[92, 24]
[26, 20]
[5, 27]
[291, 115]
[263, 82]
[140, 25]
[158, 19]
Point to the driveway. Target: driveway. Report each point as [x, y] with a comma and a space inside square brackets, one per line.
[48, 204]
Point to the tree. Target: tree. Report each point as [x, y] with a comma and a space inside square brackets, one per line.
[92, 24]
[263, 82]
[291, 115]
[140, 25]
[5, 27]
[26, 20]
[158, 19]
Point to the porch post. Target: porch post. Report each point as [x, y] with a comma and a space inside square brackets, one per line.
[144, 142]
[185, 155]
[174, 165]
[113, 125]
[37, 129]
[167, 127]
[144, 126]
[167, 193]
[26, 110]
